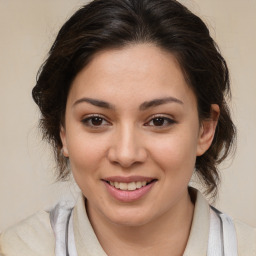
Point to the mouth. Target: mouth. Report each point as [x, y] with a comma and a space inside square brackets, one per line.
[129, 189]
[129, 186]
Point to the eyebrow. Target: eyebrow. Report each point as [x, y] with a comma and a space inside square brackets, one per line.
[156, 102]
[97, 103]
[145, 105]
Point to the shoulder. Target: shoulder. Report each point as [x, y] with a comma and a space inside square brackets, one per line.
[33, 236]
[246, 239]
[245, 234]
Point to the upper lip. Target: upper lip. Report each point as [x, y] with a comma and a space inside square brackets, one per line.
[128, 179]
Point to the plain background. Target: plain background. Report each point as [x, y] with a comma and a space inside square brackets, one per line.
[27, 30]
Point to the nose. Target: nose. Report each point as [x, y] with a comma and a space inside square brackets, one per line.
[127, 149]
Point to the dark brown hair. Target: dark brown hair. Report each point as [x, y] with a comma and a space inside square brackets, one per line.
[105, 24]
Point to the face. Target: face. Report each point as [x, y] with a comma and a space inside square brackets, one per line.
[132, 134]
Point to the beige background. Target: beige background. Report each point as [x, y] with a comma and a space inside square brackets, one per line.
[27, 29]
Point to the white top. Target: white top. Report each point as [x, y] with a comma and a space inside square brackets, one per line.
[35, 235]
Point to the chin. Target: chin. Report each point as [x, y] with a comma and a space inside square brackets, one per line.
[130, 218]
[128, 222]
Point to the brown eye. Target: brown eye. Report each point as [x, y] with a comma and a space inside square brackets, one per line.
[95, 121]
[159, 121]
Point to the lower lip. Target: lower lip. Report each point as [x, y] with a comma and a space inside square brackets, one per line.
[128, 195]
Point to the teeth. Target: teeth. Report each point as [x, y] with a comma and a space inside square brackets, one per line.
[128, 186]
[117, 185]
[123, 186]
[131, 186]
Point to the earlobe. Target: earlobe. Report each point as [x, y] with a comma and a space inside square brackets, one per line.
[207, 130]
[64, 141]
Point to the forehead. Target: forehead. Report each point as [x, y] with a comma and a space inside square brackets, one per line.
[138, 72]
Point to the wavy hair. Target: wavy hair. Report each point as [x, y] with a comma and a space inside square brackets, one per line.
[110, 24]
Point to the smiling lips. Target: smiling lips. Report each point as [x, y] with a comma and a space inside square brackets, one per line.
[127, 189]
[128, 186]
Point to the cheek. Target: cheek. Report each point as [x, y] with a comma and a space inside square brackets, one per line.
[86, 152]
[86, 156]
[175, 153]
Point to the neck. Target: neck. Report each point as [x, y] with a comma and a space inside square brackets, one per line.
[165, 235]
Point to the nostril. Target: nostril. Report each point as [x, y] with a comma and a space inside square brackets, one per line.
[126, 153]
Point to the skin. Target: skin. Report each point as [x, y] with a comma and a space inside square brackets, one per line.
[126, 142]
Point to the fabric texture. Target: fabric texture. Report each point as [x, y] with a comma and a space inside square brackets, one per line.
[35, 236]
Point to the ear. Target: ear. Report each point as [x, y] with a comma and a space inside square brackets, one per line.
[207, 130]
[64, 141]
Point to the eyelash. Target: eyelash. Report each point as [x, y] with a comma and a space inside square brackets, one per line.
[169, 121]
[87, 121]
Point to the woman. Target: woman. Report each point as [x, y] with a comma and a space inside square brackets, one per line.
[132, 98]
